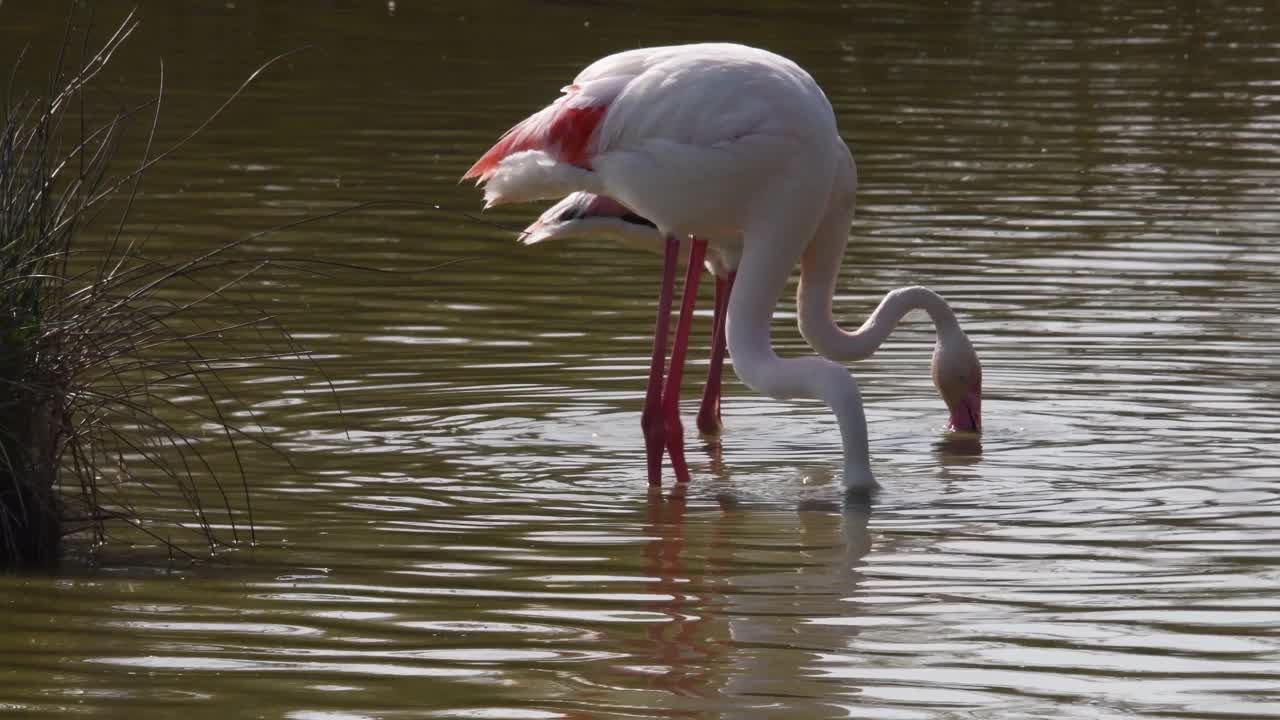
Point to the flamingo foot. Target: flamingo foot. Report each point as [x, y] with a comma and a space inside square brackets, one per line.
[674, 432]
[654, 427]
[709, 417]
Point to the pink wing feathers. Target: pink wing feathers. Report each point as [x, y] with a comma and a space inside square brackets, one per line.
[566, 129]
[563, 129]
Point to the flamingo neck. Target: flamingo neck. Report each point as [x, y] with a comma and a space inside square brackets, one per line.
[820, 329]
[762, 273]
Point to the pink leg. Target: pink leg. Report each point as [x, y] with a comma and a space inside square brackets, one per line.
[651, 418]
[709, 412]
[675, 373]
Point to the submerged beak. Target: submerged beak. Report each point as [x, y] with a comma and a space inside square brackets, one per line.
[966, 414]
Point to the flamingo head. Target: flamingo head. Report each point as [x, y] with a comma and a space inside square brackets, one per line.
[958, 376]
[584, 215]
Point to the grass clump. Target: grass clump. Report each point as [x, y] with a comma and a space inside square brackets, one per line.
[92, 341]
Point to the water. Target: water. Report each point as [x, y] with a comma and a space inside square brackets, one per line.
[1094, 188]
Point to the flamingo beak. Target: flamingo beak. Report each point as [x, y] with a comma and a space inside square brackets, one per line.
[966, 413]
[535, 233]
[555, 219]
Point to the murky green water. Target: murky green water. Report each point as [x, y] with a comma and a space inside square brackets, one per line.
[1095, 188]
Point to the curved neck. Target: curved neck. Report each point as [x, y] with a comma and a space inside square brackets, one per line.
[762, 273]
[820, 329]
[820, 267]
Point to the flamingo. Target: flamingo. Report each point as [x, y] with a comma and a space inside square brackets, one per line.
[739, 145]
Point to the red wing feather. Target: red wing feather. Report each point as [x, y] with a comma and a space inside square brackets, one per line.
[563, 129]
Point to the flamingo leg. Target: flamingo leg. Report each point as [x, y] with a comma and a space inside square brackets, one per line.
[709, 411]
[675, 373]
[651, 417]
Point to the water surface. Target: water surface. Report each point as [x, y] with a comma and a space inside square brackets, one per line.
[1093, 187]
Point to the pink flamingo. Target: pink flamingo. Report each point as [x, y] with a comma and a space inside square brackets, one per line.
[738, 145]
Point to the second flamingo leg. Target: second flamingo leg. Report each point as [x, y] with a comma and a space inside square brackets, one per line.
[652, 420]
[709, 411]
[679, 349]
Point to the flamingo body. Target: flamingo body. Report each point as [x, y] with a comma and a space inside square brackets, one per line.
[684, 136]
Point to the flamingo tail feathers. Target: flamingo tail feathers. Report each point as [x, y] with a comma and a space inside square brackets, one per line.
[564, 130]
[531, 175]
[549, 153]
